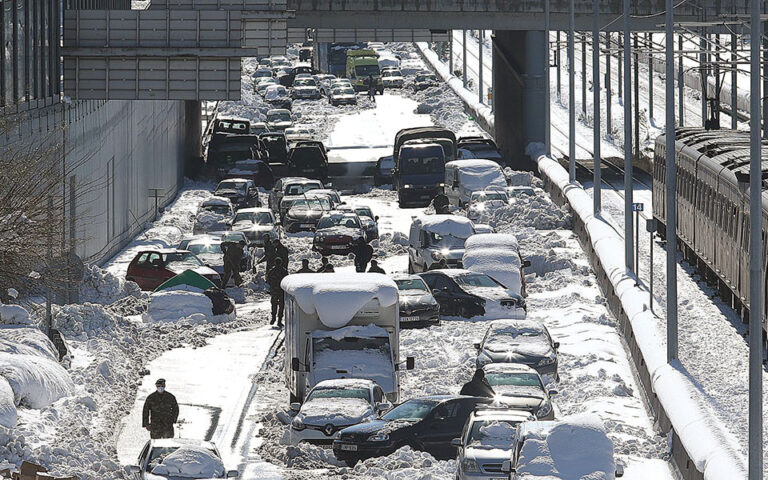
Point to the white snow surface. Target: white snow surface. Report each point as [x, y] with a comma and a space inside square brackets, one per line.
[36, 381]
[337, 297]
[479, 174]
[14, 315]
[334, 410]
[182, 305]
[496, 255]
[454, 225]
[191, 462]
[8, 416]
[497, 434]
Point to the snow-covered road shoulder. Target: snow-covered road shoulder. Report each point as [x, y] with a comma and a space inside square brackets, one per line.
[676, 400]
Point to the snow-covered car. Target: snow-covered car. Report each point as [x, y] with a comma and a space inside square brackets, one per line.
[367, 219]
[424, 80]
[277, 96]
[427, 424]
[343, 95]
[180, 458]
[262, 72]
[336, 232]
[304, 213]
[498, 256]
[258, 128]
[282, 188]
[466, 294]
[334, 83]
[257, 224]
[463, 177]
[519, 341]
[520, 387]
[151, 268]
[417, 305]
[486, 443]
[278, 119]
[480, 147]
[485, 202]
[332, 195]
[433, 238]
[575, 447]
[392, 79]
[305, 88]
[294, 189]
[518, 191]
[333, 405]
[213, 214]
[209, 251]
[294, 134]
[241, 192]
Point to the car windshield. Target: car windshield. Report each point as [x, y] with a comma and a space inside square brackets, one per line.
[279, 117]
[183, 259]
[492, 433]
[299, 188]
[519, 379]
[364, 212]
[412, 410]
[258, 218]
[338, 393]
[392, 73]
[444, 241]
[217, 209]
[519, 192]
[305, 82]
[263, 73]
[411, 284]
[312, 204]
[330, 221]
[425, 78]
[366, 70]
[343, 91]
[203, 248]
[476, 280]
[231, 185]
[230, 125]
[488, 196]
[417, 165]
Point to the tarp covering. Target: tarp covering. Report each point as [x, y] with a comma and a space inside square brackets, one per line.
[187, 278]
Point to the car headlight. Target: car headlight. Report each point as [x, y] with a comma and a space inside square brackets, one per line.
[469, 465]
[407, 186]
[378, 437]
[297, 424]
[546, 361]
[436, 256]
[441, 185]
[544, 410]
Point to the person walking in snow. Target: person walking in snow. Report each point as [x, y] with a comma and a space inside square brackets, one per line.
[371, 88]
[363, 254]
[323, 264]
[441, 203]
[160, 412]
[233, 256]
[375, 268]
[274, 278]
[269, 255]
[478, 386]
[281, 252]
[305, 267]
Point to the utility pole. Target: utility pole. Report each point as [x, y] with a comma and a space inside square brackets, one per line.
[680, 82]
[557, 61]
[584, 74]
[629, 259]
[547, 95]
[734, 83]
[620, 80]
[464, 57]
[571, 97]
[637, 101]
[608, 86]
[649, 41]
[480, 63]
[596, 181]
[670, 199]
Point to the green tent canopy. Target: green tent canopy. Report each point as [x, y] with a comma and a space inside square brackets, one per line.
[187, 277]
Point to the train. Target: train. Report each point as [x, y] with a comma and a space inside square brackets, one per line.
[713, 208]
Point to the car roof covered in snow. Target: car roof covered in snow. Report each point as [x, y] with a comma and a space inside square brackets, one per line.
[455, 225]
[345, 383]
[161, 250]
[216, 201]
[492, 240]
[405, 276]
[181, 442]
[254, 210]
[474, 164]
[518, 324]
[507, 368]
[501, 414]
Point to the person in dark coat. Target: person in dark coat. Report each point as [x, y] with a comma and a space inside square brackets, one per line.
[328, 268]
[363, 254]
[371, 88]
[441, 204]
[281, 251]
[375, 268]
[160, 412]
[233, 255]
[274, 278]
[270, 254]
[305, 267]
[478, 386]
[323, 264]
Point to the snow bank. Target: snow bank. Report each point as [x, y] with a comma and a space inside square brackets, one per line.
[26, 341]
[8, 414]
[337, 297]
[14, 315]
[713, 450]
[192, 462]
[36, 381]
[84, 321]
[103, 287]
[454, 225]
[497, 434]
[174, 305]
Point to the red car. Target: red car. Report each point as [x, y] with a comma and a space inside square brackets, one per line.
[151, 268]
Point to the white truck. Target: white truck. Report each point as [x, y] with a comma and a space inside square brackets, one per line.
[341, 325]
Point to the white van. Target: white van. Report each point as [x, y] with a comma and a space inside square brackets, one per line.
[462, 177]
[436, 237]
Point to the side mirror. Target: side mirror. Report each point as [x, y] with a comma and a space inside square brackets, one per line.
[376, 218]
[456, 442]
[477, 346]
[295, 406]
[619, 471]
[435, 292]
[410, 363]
[557, 345]
[526, 263]
[506, 467]
[233, 474]
[295, 364]
[553, 392]
[383, 407]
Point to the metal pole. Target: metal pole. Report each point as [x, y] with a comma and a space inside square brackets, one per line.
[680, 82]
[649, 41]
[464, 57]
[584, 74]
[734, 85]
[765, 86]
[557, 61]
[621, 65]
[480, 69]
[637, 245]
[671, 189]
[637, 100]
[717, 77]
[703, 74]
[650, 273]
[571, 97]
[628, 234]
[755, 256]
[596, 183]
[547, 95]
[450, 54]
[608, 86]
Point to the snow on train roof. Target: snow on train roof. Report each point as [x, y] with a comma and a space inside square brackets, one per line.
[337, 297]
[454, 225]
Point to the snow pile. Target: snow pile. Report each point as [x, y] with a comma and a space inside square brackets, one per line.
[443, 225]
[534, 211]
[479, 174]
[336, 410]
[497, 255]
[36, 382]
[209, 221]
[84, 321]
[337, 297]
[496, 434]
[103, 287]
[8, 415]
[191, 462]
[518, 178]
[14, 315]
[574, 448]
[405, 464]
[174, 305]
[26, 341]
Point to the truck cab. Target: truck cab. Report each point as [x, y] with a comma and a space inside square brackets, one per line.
[362, 64]
[419, 174]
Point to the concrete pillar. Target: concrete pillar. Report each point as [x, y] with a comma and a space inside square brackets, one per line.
[193, 139]
[520, 64]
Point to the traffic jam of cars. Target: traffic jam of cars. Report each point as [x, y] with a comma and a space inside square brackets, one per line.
[342, 365]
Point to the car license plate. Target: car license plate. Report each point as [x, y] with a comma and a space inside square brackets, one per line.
[306, 225]
[409, 319]
[338, 247]
[349, 448]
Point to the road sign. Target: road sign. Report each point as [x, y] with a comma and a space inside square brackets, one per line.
[637, 207]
